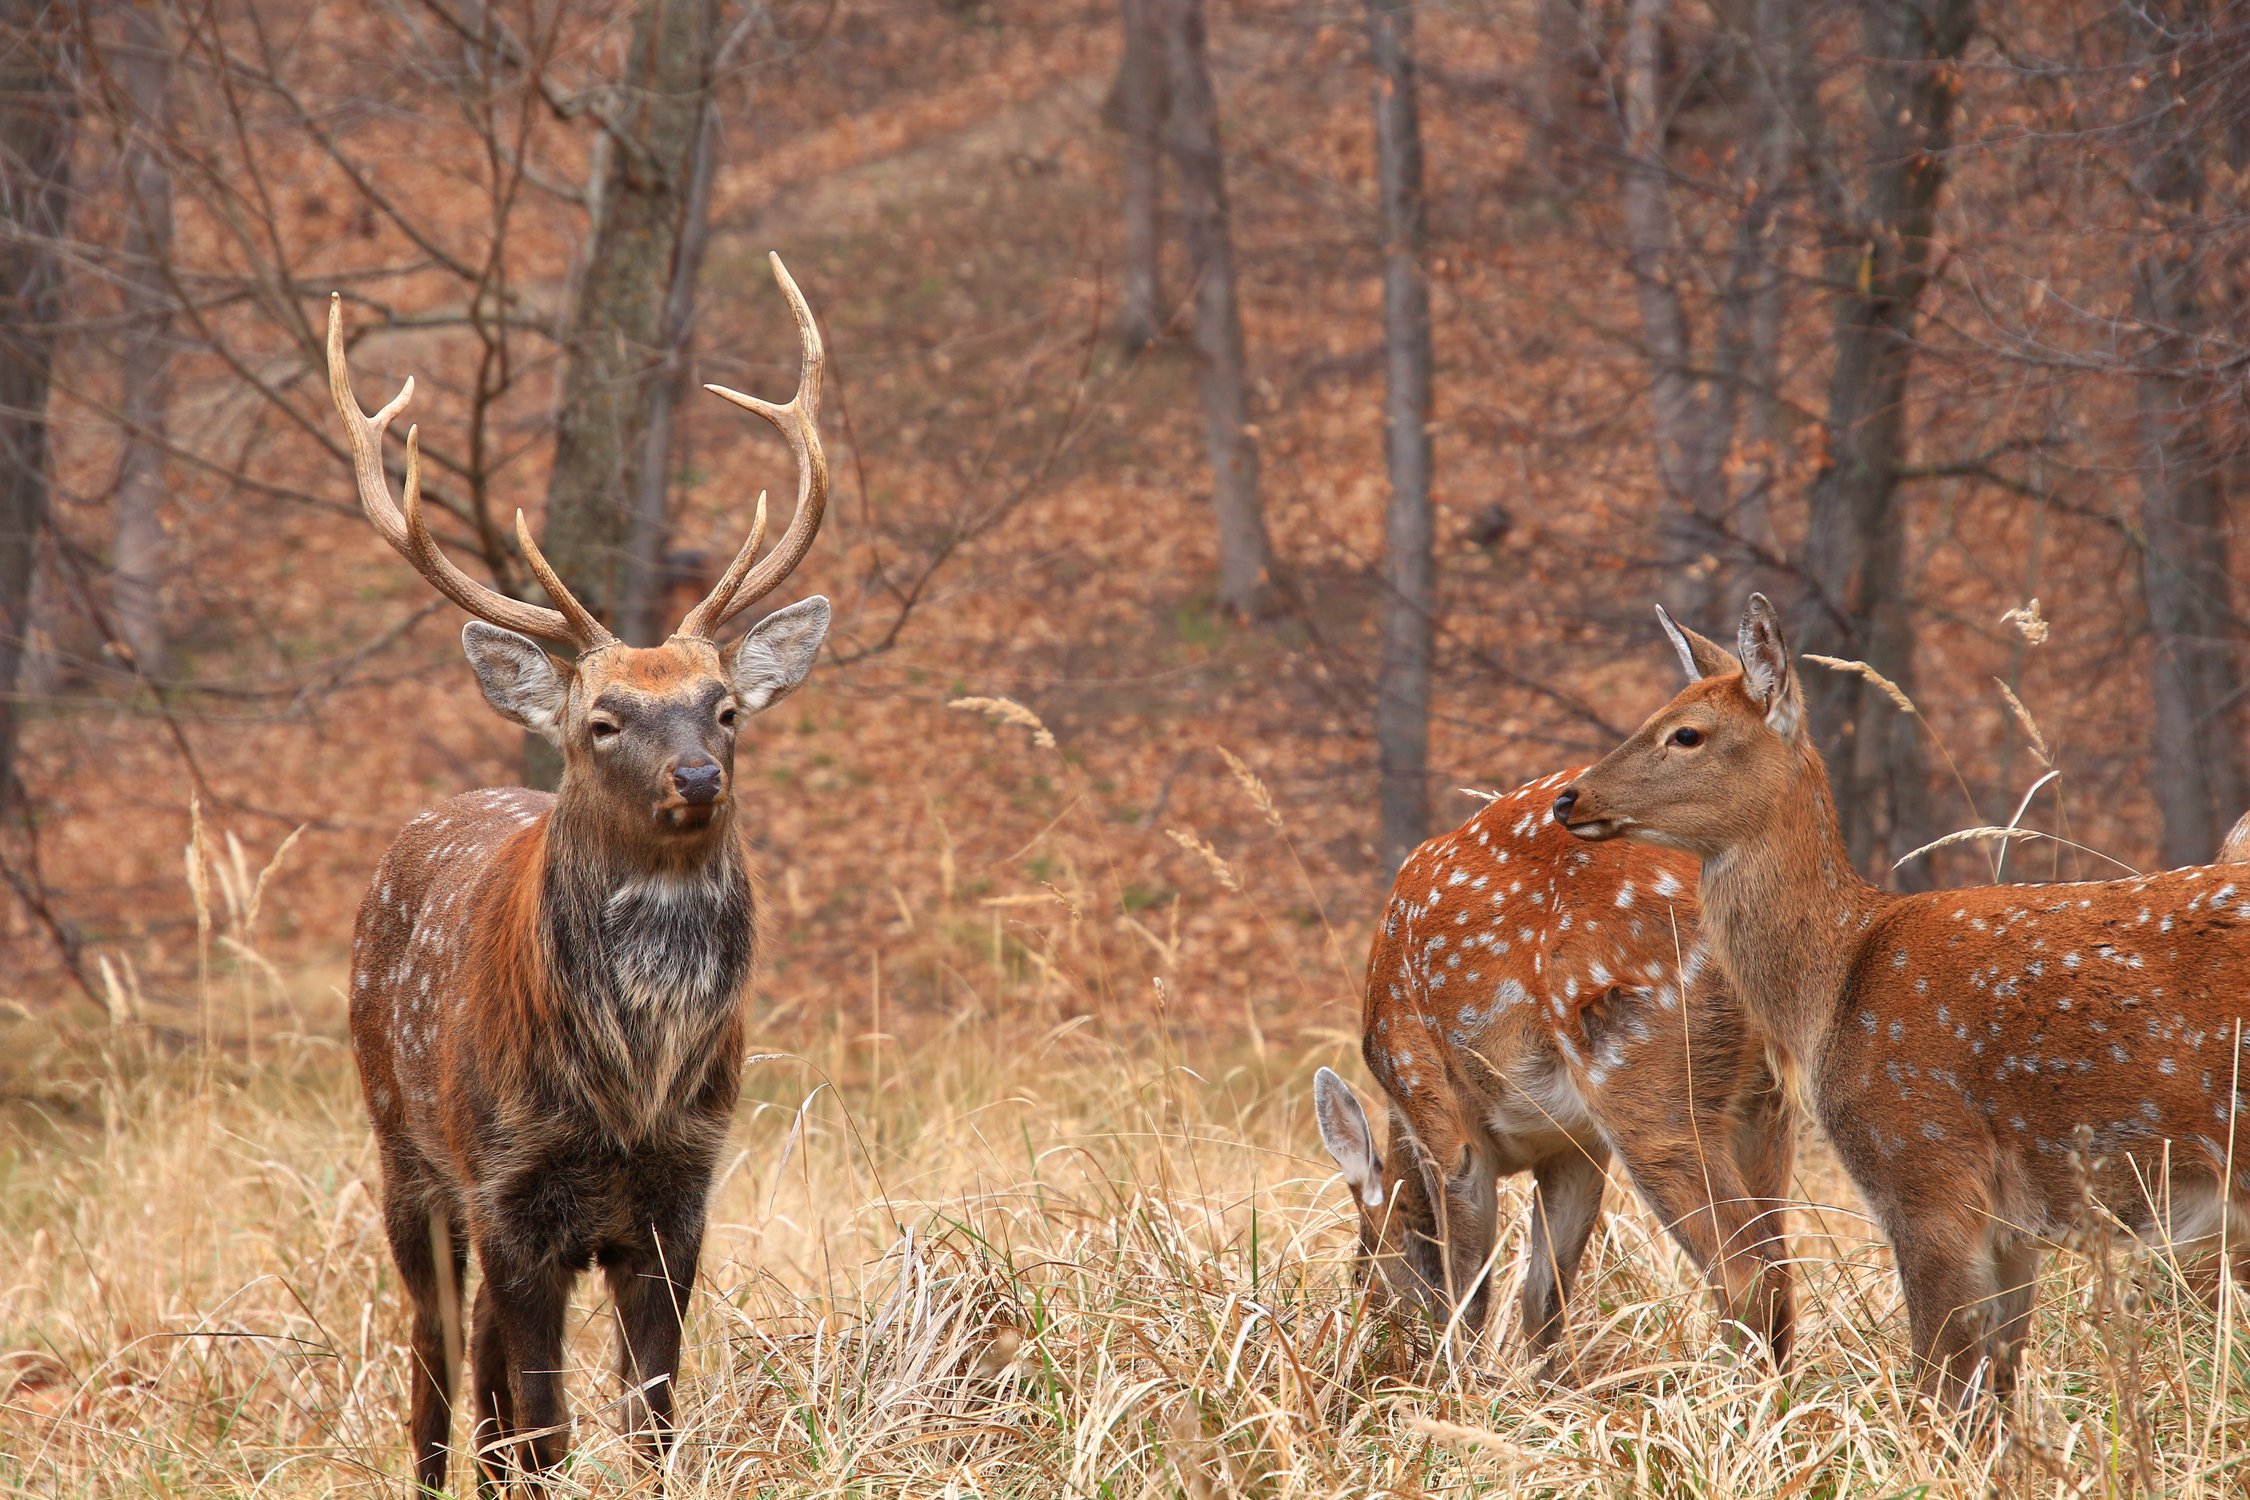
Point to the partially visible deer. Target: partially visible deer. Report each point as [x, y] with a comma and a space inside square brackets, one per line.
[2234, 849]
[1527, 1009]
[547, 990]
[1985, 1060]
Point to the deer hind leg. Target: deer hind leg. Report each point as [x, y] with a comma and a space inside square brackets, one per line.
[430, 1254]
[650, 1287]
[1566, 1204]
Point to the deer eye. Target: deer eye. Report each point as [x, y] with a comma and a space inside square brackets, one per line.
[607, 729]
[726, 716]
[1687, 737]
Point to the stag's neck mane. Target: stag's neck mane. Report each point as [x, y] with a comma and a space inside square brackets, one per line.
[1786, 913]
[631, 918]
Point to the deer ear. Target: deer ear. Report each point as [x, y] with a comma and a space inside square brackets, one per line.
[777, 653]
[1767, 671]
[518, 678]
[1343, 1130]
[1700, 656]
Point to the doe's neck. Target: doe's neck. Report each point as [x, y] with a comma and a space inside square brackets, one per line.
[1787, 913]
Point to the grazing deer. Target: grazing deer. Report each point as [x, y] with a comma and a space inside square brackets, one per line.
[1528, 1009]
[1984, 1060]
[547, 989]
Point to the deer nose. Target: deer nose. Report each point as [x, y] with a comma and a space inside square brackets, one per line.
[698, 780]
[1564, 803]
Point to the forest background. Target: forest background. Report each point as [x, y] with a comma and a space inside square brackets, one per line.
[1230, 380]
[1275, 416]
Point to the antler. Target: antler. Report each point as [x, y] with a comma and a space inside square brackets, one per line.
[569, 624]
[799, 422]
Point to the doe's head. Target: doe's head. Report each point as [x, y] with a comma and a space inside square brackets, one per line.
[1397, 1259]
[646, 732]
[1705, 769]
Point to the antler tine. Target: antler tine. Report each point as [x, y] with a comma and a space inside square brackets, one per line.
[798, 420]
[582, 622]
[409, 535]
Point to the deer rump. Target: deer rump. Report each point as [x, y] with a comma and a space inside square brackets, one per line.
[1538, 1004]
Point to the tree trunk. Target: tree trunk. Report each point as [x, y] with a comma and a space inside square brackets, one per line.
[1402, 693]
[1566, 45]
[35, 130]
[1141, 105]
[143, 63]
[1712, 531]
[1681, 418]
[1854, 549]
[2195, 744]
[651, 532]
[615, 351]
[1192, 135]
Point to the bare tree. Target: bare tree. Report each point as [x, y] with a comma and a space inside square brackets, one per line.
[1140, 110]
[1854, 556]
[1192, 135]
[141, 79]
[2197, 678]
[1402, 690]
[35, 136]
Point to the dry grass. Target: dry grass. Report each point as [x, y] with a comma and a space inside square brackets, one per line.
[1023, 1257]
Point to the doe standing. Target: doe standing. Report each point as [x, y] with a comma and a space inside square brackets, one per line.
[547, 988]
[1997, 1066]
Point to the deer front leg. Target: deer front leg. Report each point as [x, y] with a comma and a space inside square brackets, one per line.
[1566, 1204]
[650, 1286]
[430, 1253]
[492, 1412]
[1466, 1214]
[1946, 1269]
[528, 1295]
[1688, 1177]
[1765, 1152]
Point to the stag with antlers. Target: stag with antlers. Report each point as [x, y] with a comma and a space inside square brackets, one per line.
[547, 988]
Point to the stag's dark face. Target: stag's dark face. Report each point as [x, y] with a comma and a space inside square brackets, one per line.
[647, 733]
[654, 730]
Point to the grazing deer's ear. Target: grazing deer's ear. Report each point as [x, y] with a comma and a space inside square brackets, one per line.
[777, 653]
[1700, 656]
[1767, 671]
[518, 677]
[1343, 1130]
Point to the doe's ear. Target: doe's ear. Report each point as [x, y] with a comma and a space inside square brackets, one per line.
[1700, 656]
[518, 678]
[1343, 1130]
[774, 657]
[1767, 670]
